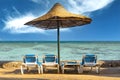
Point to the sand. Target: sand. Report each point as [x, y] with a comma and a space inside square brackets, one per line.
[106, 74]
[13, 73]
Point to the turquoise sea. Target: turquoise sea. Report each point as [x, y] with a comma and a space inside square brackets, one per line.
[12, 50]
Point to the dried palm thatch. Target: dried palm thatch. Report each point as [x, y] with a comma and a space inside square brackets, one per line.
[59, 13]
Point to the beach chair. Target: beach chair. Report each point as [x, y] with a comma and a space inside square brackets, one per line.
[73, 64]
[50, 61]
[30, 61]
[90, 60]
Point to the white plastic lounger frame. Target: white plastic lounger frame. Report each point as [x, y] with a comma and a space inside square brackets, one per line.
[31, 61]
[90, 60]
[50, 60]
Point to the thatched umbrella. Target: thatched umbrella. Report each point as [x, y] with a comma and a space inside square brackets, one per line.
[58, 17]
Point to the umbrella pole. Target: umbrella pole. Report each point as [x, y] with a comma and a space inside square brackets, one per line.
[58, 40]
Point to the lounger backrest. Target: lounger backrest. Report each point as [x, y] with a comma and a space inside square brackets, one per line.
[89, 59]
[30, 59]
[49, 58]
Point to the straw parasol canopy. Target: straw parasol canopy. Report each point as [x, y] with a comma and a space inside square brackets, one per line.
[59, 13]
[58, 17]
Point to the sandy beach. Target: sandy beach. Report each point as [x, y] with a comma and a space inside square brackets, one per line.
[59, 40]
[13, 73]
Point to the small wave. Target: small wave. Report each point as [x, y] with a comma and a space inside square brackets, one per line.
[6, 49]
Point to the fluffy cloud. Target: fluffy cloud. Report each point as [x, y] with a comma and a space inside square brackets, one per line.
[44, 3]
[84, 6]
[79, 6]
[16, 24]
[41, 1]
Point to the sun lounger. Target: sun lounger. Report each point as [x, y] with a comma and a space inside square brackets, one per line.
[71, 65]
[90, 60]
[50, 60]
[31, 61]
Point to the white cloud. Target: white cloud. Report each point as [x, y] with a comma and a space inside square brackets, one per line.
[62, 30]
[16, 11]
[78, 6]
[84, 6]
[42, 2]
[16, 24]
[65, 30]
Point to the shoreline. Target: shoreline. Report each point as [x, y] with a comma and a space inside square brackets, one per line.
[17, 64]
[60, 41]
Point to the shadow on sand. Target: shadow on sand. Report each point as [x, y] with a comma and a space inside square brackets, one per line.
[106, 72]
[2, 78]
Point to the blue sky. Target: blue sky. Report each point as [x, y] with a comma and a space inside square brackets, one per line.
[104, 27]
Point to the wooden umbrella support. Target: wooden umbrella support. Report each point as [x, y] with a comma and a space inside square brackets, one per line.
[58, 40]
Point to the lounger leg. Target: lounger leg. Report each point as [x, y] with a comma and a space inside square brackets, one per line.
[62, 68]
[97, 69]
[38, 69]
[28, 69]
[80, 69]
[45, 69]
[58, 68]
[41, 69]
[91, 68]
[22, 70]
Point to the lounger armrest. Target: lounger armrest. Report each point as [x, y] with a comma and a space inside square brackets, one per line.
[81, 63]
[39, 64]
[62, 64]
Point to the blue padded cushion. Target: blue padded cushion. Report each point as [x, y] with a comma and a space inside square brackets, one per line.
[50, 58]
[89, 58]
[49, 55]
[30, 58]
[72, 63]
